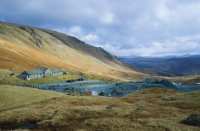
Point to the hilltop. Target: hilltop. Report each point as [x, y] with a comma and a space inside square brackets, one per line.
[25, 47]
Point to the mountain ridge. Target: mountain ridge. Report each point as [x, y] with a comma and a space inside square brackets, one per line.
[166, 66]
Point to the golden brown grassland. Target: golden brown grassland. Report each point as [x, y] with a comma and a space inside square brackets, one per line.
[148, 110]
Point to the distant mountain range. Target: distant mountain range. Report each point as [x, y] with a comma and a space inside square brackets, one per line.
[166, 66]
[24, 47]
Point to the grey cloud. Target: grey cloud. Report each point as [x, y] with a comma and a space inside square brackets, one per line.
[124, 27]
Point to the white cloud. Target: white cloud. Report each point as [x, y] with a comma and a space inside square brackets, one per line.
[107, 18]
[79, 32]
[178, 46]
[90, 38]
[157, 26]
[163, 12]
[75, 31]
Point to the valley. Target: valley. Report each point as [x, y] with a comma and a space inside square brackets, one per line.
[52, 81]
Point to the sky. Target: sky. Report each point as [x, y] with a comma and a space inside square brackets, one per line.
[149, 28]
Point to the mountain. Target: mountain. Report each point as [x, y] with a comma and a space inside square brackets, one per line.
[167, 66]
[25, 47]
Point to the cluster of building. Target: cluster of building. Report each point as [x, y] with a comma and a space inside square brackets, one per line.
[40, 73]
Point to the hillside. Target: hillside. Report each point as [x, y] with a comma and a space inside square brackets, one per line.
[23, 47]
[148, 110]
[14, 97]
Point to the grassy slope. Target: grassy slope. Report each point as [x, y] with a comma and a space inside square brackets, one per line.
[148, 110]
[20, 50]
[14, 97]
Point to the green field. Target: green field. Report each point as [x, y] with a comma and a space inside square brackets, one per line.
[148, 110]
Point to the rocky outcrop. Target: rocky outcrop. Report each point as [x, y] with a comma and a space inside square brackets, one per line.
[193, 119]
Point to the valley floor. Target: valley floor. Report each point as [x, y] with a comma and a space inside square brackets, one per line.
[148, 110]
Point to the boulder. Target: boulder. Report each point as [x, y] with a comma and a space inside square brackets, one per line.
[193, 119]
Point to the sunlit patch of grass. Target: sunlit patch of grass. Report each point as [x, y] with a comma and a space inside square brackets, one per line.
[14, 96]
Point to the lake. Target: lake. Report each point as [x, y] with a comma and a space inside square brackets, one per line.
[102, 88]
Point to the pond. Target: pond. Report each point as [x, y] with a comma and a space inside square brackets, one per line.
[102, 88]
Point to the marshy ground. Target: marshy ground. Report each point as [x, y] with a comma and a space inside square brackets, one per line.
[147, 110]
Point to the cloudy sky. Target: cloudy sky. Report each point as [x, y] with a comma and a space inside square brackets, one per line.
[123, 27]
